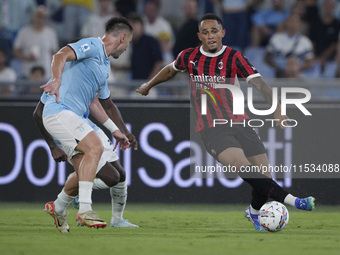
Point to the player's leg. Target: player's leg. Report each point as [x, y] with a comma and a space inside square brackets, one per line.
[299, 203]
[57, 208]
[118, 199]
[260, 160]
[75, 134]
[256, 154]
[118, 191]
[264, 185]
[92, 150]
[257, 199]
[235, 156]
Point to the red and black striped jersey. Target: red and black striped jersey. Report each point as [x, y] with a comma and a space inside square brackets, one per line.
[206, 70]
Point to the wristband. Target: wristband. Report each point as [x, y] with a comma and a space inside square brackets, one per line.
[110, 125]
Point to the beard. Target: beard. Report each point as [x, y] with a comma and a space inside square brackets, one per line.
[213, 50]
[115, 55]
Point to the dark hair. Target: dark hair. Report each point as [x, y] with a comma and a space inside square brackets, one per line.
[135, 17]
[155, 2]
[38, 68]
[211, 16]
[116, 24]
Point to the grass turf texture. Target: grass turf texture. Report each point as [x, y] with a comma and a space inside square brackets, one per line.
[168, 229]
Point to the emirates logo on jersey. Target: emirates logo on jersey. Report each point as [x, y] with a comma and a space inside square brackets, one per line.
[220, 65]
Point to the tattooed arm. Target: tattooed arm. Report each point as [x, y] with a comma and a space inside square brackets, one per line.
[266, 92]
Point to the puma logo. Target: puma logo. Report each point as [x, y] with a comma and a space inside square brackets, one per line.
[193, 62]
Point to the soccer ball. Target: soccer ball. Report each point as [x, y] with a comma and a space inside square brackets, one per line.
[273, 216]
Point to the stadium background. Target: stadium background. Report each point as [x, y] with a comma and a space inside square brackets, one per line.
[160, 170]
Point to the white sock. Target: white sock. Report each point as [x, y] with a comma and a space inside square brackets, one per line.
[85, 196]
[290, 200]
[118, 199]
[99, 184]
[62, 202]
[253, 211]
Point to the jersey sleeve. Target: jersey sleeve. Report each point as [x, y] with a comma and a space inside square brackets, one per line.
[104, 92]
[245, 68]
[43, 98]
[178, 64]
[85, 48]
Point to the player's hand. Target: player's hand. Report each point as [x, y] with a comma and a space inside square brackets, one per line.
[122, 139]
[133, 141]
[58, 154]
[52, 88]
[279, 117]
[143, 89]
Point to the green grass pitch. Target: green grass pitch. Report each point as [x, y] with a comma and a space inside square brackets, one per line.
[168, 229]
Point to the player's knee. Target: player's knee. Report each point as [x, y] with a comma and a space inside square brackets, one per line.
[122, 175]
[120, 169]
[112, 180]
[96, 150]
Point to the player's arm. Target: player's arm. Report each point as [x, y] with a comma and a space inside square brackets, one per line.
[115, 115]
[57, 153]
[266, 92]
[59, 60]
[99, 114]
[163, 75]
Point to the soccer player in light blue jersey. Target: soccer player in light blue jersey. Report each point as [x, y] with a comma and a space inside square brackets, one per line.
[79, 77]
[109, 174]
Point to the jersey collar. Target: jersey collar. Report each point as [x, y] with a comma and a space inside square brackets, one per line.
[103, 47]
[213, 54]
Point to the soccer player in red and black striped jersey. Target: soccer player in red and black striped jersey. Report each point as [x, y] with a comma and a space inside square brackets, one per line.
[209, 66]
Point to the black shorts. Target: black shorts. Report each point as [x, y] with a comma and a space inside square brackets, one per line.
[219, 139]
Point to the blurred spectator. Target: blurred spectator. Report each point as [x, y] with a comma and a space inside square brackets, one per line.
[299, 8]
[125, 7]
[187, 34]
[7, 76]
[267, 22]
[120, 68]
[206, 6]
[290, 42]
[292, 68]
[165, 43]
[155, 25]
[324, 33]
[95, 25]
[37, 78]
[75, 15]
[16, 14]
[56, 17]
[234, 16]
[6, 42]
[146, 57]
[36, 43]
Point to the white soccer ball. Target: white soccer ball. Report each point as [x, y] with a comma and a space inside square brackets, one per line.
[273, 216]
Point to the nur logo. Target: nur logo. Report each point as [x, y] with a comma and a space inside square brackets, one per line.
[204, 97]
[238, 104]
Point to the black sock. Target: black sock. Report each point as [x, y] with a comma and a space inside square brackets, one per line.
[264, 186]
[257, 200]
